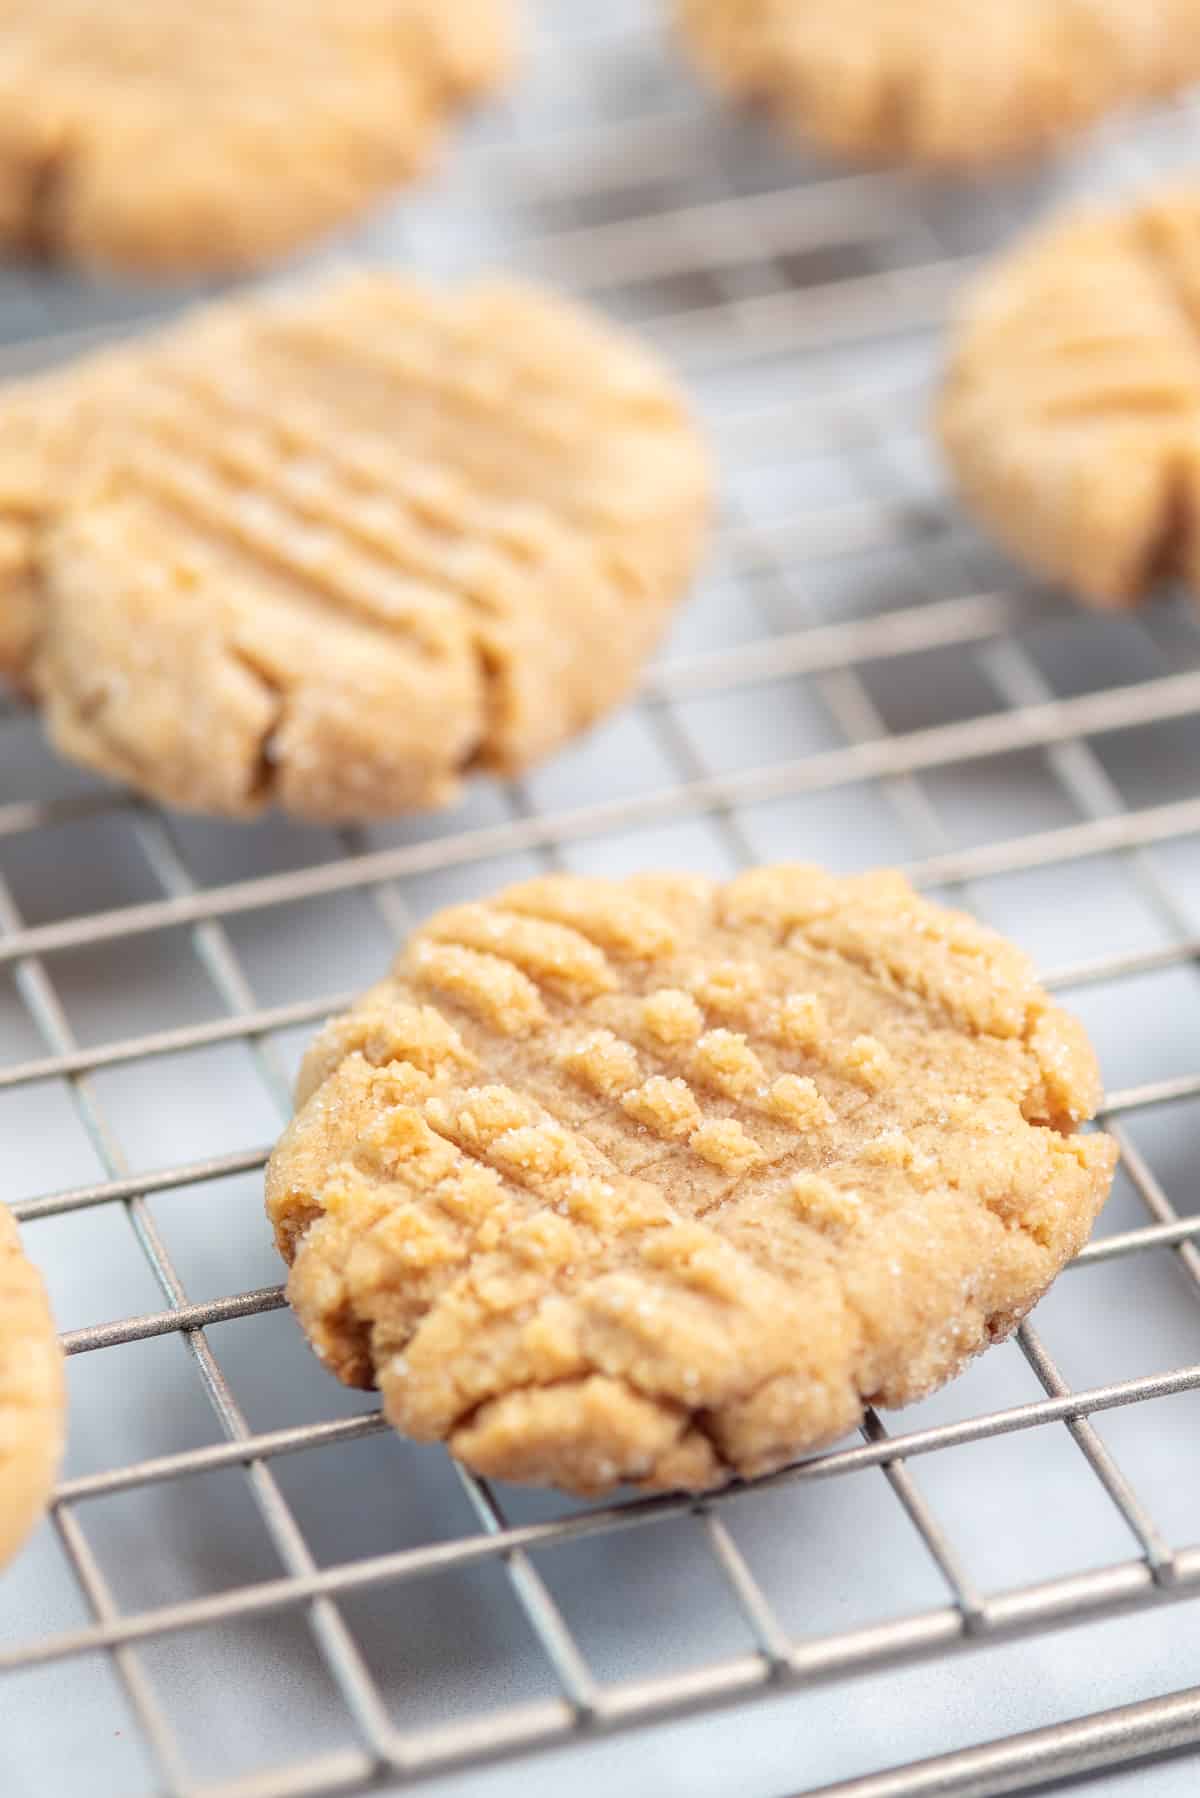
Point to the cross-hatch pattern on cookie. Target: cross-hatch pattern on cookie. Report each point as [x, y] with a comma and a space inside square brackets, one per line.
[1070, 411]
[660, 1180]
[336, 549]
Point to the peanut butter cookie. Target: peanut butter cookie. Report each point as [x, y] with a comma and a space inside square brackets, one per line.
[333, 550]
[661, 1180]
[167, 137]
[943, 82]
[1070, 413]
[32, 1394]
[46, 424]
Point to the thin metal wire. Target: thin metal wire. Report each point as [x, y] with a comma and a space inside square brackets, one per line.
[1172, 1232]
[882, 1451]
[733, 241]
[936, 748]
[157, 1733]
[1019, 1610]
[337, 1647]
[923, 819]
[1066, 1750]
[845, 694]
[532, 1594]
[1141, 1525]
[165, 1180]
[146, 1707]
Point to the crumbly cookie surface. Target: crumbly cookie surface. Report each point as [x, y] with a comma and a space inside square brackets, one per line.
[661, 1180]
[945, 82]
[32, 1393]
[1070, 410]
[334, 550]
[167, 137]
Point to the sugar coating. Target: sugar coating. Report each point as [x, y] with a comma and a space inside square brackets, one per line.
[547, 951]
[170, 138]
[488, 985]
[672, 1016]
[891, 1148]
[724, 1059]
[603, 1062]
[1070, 408]
[674, 1211]
[726, 1144]
[32, 1393]
[797, 1099]
[668, 1107]
[947, 83]
[338, 549]
[728, 988]
[819, 1202]
[868, 1062]
[800, 1020]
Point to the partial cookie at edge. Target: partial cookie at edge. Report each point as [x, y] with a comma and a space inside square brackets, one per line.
[1070, 408]
[32, 1393]
[946, 83]
[170, 139]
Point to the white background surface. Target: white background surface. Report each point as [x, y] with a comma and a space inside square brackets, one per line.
[853, 531]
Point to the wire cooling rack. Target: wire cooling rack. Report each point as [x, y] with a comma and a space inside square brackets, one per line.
[250, 1589]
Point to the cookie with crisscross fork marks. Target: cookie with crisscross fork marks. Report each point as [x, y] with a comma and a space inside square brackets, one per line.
[162, 136]
[1070, 410]
[32, 1393]
[943, 82]
[332, 550]
[660, 1180]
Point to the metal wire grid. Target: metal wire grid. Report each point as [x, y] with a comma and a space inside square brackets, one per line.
[777, 278]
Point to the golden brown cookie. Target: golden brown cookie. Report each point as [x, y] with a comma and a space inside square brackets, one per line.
[942, 82]
[334, 550]
[168, 137]
[1070, 412]
[661, 1180]
[32, 1393]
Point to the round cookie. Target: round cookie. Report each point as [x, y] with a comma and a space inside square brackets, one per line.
[32, 1393]
[169, 137]
[660, 1180]
[1070, 409]
[944, 83]
[334, 550]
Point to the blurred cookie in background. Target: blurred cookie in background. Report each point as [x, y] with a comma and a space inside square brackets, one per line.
[169, 139]
[1070, 409]
[943, 83]
[338, 549]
